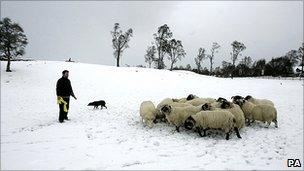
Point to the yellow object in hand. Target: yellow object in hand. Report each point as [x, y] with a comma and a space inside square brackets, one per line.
[60, 101]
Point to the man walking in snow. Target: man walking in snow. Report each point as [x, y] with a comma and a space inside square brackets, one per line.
[64, 91]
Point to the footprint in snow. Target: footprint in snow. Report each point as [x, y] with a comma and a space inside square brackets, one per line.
[130, 164]
[156, 143]
[90, 136]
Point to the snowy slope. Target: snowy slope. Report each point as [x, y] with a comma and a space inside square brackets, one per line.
[32, 138]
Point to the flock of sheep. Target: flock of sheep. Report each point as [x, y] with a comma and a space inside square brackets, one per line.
[202, 114]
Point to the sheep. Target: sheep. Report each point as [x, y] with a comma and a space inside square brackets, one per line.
[215, 105]
[235, 98]
[178, 104]
[236, 111]
[212, 106]
[258, 101]
[164, 102]
[177, 115]
[148, 113]
[217, 119]
[261, 112]
[183, 100]
[221, 99]
[246, 108]
[200, 101]
[264, 113]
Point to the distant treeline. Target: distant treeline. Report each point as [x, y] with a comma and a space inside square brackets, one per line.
[165, 46]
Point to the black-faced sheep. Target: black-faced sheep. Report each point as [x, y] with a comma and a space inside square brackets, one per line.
[183, 100]
[264, 113]
[221, 99]
[178, 115]
[235, 98]
[258, 101]
[217, 119]
[200, 101]
[160, 116]
[236, 111]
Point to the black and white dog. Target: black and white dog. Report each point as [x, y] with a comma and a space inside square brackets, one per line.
[100, 103]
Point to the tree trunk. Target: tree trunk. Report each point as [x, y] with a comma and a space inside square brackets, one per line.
[210, 66]
[8, 65]
[118, 57]
[158, 61]
[171, 66]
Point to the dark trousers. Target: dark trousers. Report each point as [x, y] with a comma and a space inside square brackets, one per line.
[62, 114]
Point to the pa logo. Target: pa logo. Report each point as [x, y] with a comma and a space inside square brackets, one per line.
[293, 163]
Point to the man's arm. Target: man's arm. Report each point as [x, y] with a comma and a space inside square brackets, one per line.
[71, 90]
[57, 88]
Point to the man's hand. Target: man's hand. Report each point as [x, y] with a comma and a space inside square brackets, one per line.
[75, 97]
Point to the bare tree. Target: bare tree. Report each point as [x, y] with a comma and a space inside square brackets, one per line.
[175, 52]
[120, 41]
[247, 61]
[12, 41]
[237, 48]
[213, 50]
[150, 55]
[301, 57]
[199, 59]
[162, 44]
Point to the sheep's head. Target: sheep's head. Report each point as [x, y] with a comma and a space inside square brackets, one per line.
[248, 97]
[235, 98]
[240, 102]
[221, 99]
[166, 109]
[226, 105]
[189, 123]
[190, 97]
[206, 106]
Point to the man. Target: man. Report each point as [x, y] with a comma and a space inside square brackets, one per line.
[64, 91]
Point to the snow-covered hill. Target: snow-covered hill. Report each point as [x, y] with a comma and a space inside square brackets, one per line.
[113, 138]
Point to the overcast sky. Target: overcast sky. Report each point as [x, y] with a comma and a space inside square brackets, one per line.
[81, 30]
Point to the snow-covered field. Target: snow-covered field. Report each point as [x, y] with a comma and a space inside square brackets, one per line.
[113, 138]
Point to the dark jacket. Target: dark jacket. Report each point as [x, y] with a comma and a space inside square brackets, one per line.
[64, 88]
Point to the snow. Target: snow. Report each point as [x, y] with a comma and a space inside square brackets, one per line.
[113, 138]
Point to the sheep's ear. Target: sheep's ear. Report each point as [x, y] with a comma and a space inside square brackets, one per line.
[248, 97]
[190, 117]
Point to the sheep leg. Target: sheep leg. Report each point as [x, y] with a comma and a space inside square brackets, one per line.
[154, 121]
[247, 122]
[177, 128]
[237, 132]
[205, 131]
[275, 122]
[268, 124]
[199, 131]
[227, 136]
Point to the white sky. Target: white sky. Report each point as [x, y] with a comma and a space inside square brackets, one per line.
[81, 30]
